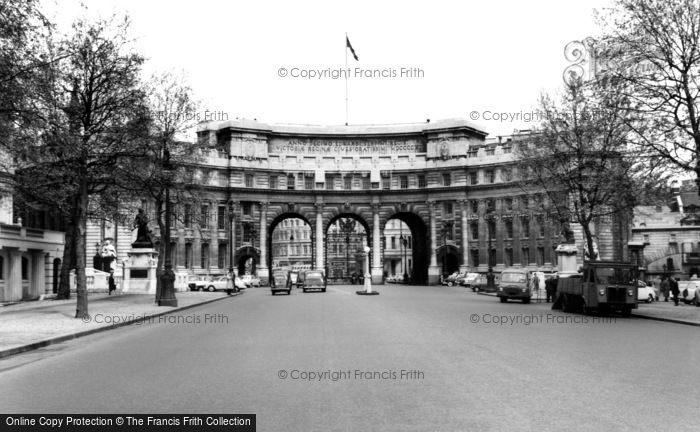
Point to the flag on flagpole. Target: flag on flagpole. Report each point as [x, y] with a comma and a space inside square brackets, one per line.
[347, 44]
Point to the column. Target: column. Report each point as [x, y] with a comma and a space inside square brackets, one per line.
[319, 236]
[377, 268]
[483, 237]
[232, 230]
[433, 269]
[465, 237]
[214, 235]
[262, 265]
[14, 276]
[38, 282]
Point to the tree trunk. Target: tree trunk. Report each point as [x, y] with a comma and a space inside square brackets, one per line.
[68, 263]
[161, 247]
[81, 310]
[589, 240]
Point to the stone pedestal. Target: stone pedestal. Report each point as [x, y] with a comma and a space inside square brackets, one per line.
[434, 275]
[566, 254]
[140, 271]
[377, 275]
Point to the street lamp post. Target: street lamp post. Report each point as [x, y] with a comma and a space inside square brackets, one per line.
[489, 276]
[446, 228]
[167, 278]
[233, 288]
[368, 276]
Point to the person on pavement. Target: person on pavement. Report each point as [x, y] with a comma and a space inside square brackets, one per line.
[665, 287]
[110, 282]
[674, 289]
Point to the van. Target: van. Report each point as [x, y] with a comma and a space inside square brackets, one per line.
[515, 284]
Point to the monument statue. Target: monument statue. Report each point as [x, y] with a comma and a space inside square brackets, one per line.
[143, 234]
[567, 232]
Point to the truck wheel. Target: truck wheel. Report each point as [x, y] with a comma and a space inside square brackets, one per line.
[650, 299]
[449, 284]
[503, 299]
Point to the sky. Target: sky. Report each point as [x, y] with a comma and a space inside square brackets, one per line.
[485, 61]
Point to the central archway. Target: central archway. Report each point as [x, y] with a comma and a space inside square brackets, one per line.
[417, 249]
[346, 236]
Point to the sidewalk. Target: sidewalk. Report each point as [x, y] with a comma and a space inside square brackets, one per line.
[686, 314]
[30, 325]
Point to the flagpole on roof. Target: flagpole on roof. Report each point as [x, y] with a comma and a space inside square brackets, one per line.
[346, 78]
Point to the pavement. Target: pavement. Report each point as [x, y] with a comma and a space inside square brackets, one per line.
[686, 314]
[25, 326]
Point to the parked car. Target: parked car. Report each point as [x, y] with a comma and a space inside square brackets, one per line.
[689, 291]
[313, 280]
[470, 281]
[645, 293]
[213, 284]
[455, 278]
[250, 280]
[394, 279]
[280, 282]
[449, 280]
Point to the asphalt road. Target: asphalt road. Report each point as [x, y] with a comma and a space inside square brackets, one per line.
[412, 358]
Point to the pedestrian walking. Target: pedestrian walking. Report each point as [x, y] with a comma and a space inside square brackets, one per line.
[549, 287]
[110, 282]
[665, 287]
[674, 289]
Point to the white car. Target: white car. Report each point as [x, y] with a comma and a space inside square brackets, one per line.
[645, 293]
[689, 291]
[250, 280]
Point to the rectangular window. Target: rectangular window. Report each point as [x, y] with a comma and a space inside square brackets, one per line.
[492, 229]
[509, 228]
[366, 183]
[221, 217]
[474, 227]
[490, 176]
[490, 151]
[308, 183]
[525, 227]
[525, 256]
[290, 182]
[472, 153]
[540, 256]
[2, 266]
[347, 182]
[330, 182]
[473, 178]
[188, 216]
[222, 255]
[204, 217]
[273, 182]
[404, 182]
[247, 209]
[248, 233]
[474, 206]
[508, 257]
[524, 202]
[421, 181]
[509, 204]
[386, 182]
[540, 226]
[448, 208]
[446, 179]
[249, 180]
[506, 149]
[204, 258]
[393, 242]
[475, 257]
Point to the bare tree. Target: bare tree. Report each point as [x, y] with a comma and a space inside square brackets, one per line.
[580, 157]
[652, 47]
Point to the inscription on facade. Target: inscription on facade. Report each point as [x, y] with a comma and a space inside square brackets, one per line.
[335, 147]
